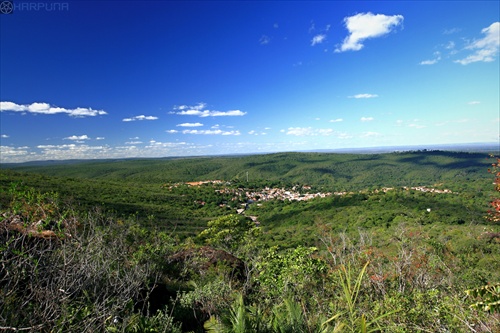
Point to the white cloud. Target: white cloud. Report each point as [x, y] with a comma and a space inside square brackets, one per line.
[190, 125]
[429, 62]
[338, 120]
[364, 96]
[77, 137]
[73, 150]
[309, 131]
[172, 131]
[432, 61]
[367, 25]
[474, 102]
[70, 151]
[7, 152]
[9, 106]
[318, 39]
[45, 108]
[200, 111]
[230, 113]
[486, 48]
[199, 106]
[100, 138]
[208, 113]
[365, 119]
[259, 132]
[211, 132]
[300, 131]
[141, 117]
[4, 136]
[154, 143]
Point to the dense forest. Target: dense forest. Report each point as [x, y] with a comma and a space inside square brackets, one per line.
[288, 242]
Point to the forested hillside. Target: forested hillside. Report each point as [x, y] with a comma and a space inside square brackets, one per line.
[309, 242]
[339, 171]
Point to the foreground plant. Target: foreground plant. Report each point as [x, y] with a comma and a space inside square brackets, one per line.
[351, 320]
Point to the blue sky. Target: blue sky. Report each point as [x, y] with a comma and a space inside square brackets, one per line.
[98, 79]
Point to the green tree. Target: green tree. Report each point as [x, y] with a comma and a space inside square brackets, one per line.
[229, 232]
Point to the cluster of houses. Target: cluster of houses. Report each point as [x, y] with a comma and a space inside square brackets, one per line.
[282, 194]
[296, 193]
[415, 188]
[427, 189]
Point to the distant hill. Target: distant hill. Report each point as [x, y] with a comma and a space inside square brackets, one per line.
[340, 171]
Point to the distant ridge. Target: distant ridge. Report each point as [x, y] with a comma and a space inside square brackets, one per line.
[488, 147]
[461, 147]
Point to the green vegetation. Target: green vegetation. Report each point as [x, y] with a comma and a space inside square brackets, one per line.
[397, 242]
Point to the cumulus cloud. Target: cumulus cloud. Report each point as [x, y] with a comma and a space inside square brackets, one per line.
[4, 136]
[318, 39]
[77, 137]
[190, 125]
[45, 108]
[74, 150]
[70, 151]
[365, 119]
[367, 25]
[172, 131]
[141, 117]
[7, 152]
[170, 144]
[364, 96]
[211, 132]
[486, 48]
[258, 132]
[200, 111]
[338, 120]
[309, 131]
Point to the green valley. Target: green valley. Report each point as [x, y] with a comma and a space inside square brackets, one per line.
[288, 242]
